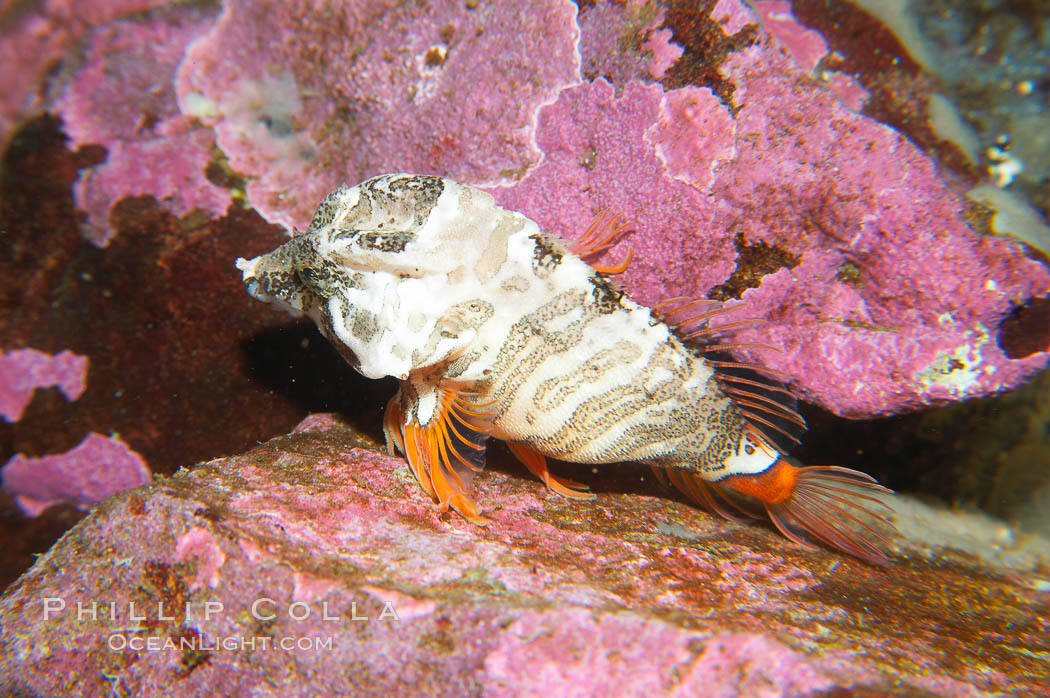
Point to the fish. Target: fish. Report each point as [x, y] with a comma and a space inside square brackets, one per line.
[496, 329]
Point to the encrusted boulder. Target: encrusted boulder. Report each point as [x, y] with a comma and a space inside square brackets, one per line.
[313, 565]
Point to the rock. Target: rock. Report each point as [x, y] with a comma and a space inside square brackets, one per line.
[318, 540]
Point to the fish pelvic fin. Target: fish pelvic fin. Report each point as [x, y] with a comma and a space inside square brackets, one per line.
[536, 462]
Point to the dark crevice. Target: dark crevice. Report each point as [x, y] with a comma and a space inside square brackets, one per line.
[753, 262]
[705, 46]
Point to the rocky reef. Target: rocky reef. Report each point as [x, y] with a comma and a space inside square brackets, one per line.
[748, 166]
[799, 157]
[314, 561]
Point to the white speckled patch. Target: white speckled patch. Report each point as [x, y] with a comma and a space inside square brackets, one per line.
[960, 370]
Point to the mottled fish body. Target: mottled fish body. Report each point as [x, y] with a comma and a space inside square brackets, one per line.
[496, 329]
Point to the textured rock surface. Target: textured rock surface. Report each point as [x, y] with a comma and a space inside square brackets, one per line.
[633, 594]
[718, 130]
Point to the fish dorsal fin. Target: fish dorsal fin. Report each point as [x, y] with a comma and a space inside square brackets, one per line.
[767, 404]
[604, 232]
[763, 398]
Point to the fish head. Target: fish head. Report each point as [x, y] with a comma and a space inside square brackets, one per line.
[370, 229]
[372, 270]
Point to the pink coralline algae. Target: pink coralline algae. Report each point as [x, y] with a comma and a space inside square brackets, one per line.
[664, 52]
[350, 90]
[807, 48]
[611, 36]
[35, 35]
[894, 300]
[315, 559]
[599, 154]
[744, 165]
[96, 468]
[24, 370]
[124, 100]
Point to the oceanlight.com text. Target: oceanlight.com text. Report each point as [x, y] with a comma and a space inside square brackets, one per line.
[120, 642]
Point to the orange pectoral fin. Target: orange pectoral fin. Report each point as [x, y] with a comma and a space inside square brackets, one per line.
[603, 232]
[438, 453]
[393, 425]
[537, 464]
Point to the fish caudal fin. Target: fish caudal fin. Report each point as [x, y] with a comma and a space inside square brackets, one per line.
[536, 462]
[833, 505]
[445, 451]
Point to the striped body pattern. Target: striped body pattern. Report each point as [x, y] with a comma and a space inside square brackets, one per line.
[496, 329]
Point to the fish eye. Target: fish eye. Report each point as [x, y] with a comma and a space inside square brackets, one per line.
[314, 280]
[309, 276]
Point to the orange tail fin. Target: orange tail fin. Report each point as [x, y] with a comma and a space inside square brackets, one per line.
[826, 503]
